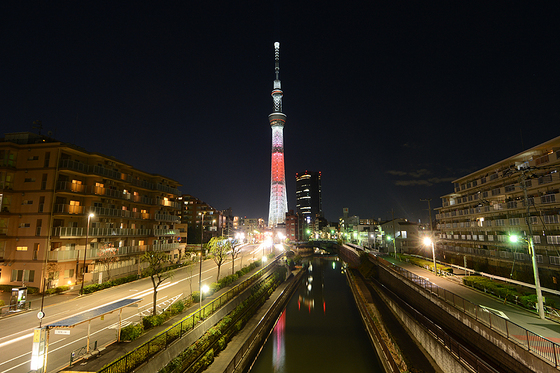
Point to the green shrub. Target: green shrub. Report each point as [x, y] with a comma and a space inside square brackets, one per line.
[131, 332]
[152, 321]
[177, 307]
[195, 296]
[2, 304]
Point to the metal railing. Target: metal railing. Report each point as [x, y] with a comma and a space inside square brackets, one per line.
[539, 345]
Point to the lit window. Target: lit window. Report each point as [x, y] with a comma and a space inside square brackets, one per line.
[21, 248]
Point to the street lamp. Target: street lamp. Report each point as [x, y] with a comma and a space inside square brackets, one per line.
[85, 253]
[201, 243]
[428, 241]
[389, 238]
[514, 239]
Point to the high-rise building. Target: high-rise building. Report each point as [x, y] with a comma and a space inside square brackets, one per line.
[278, 199]
[308, 195]
[48, 191]
[519, 195]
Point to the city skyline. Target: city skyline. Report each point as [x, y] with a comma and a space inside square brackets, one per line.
[390, 102]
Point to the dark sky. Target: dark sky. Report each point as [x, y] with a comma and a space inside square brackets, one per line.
[391, 101]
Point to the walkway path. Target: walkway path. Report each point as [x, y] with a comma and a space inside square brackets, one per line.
[516, 314]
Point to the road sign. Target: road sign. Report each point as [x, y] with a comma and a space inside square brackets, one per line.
[62, 331]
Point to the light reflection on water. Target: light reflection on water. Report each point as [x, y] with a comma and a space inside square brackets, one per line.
[279, 351]
[309, 339]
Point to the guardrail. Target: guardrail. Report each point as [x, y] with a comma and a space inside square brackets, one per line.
[144, 352]
[539, 345]
[12, 309]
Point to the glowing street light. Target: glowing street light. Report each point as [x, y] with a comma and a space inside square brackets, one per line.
[428, 241]
[514, 239]
[203, 289]
[389, 238]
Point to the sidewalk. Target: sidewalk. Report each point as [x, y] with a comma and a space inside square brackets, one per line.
[37, 299]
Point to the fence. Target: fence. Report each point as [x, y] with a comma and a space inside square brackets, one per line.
[8, 309]
[540, 346]
[142, 353]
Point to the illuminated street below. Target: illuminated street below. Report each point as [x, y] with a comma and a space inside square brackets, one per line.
[320, 330]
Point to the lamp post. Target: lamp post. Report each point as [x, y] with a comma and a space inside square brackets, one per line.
[540, 302]
[428, 241]
[201, 243]
[389, 238]
[85, 253]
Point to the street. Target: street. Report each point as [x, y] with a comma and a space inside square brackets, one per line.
[16, 331]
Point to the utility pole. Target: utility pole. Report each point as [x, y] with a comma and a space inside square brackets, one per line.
[532, 249]
[394, 238]
[430, 211]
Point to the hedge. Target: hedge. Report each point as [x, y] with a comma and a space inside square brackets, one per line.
[514, 294]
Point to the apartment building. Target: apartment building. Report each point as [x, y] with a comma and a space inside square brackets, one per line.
[48, 189]
[518, 195]
[203, 220]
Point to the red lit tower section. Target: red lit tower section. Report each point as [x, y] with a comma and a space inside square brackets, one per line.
[278, 198]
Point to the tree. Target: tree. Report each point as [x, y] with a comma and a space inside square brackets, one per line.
[157, 270]
[235, 249]
[218, 247]
[107, 256]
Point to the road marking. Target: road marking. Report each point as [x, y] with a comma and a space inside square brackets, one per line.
[495, 312]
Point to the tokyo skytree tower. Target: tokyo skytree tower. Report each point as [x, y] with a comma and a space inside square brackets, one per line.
[278, 199]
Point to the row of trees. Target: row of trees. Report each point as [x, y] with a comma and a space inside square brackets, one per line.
[219, 248]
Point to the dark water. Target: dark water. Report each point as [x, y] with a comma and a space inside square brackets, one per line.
[320, 330]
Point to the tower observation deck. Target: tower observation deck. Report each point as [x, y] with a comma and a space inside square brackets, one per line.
[278, 199]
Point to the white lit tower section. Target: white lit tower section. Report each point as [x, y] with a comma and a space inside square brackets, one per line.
[278, 199]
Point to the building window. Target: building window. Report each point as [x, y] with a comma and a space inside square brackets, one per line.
[68, 273]
[35, 251]
[23, 275]
[548, 198]
[509, 188]
[24, 225]
[545, 179]
[21, 248]
[29, 180]
[551, 219]
[554, 240]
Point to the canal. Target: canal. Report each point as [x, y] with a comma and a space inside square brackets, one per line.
[320, 330]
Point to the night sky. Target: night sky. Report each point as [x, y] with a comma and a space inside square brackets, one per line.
[391, 101]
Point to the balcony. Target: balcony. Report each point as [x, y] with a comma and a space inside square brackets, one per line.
[167, 217]
[67, 186]
[65, 232]
[92, 254]
[68, 209]
[166, 232]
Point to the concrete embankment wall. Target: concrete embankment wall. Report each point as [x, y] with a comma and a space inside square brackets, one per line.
[486, 342]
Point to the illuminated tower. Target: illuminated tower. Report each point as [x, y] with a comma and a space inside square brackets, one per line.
[278, 199]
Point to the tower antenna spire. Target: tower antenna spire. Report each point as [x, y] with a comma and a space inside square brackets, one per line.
[277, 60]
[278, 198]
